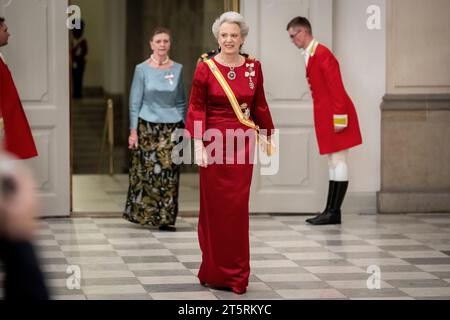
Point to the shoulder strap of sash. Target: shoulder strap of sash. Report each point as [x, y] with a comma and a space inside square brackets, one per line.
[269, 148]
[230, 94]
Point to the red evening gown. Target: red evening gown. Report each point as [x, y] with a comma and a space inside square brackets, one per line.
[223, 228]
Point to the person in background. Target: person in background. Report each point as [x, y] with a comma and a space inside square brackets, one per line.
[79, 53]
[18, 212]
[157, 110]
[335, 117]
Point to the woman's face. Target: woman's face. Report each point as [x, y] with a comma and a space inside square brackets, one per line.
[230, 38]
[160, 44]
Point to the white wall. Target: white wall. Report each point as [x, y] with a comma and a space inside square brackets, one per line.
[418, 36]
[362, 56]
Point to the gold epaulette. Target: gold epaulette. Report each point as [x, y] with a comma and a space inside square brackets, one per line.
[247, 56]
[209, 55]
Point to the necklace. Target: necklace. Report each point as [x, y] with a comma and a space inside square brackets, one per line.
[159, 62]
[232, 74]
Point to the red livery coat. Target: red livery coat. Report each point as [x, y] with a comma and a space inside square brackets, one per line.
[330, 99]
[18, 139]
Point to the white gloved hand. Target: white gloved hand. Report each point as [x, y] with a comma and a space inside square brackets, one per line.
[339, 129]
[201, 157]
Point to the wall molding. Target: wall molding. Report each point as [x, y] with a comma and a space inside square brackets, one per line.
[413, 202]
[416, 102]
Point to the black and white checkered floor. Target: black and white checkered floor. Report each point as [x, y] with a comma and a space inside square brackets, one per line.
[289, 259]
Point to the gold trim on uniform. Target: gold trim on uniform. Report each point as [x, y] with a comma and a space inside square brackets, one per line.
[340, 120]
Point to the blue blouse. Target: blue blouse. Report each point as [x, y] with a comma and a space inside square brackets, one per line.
[157, 95]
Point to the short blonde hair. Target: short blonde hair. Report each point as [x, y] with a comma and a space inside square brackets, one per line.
[231, 17]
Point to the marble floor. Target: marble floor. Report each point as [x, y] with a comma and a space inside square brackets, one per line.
[289, 259]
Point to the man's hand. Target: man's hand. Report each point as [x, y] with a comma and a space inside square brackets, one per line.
[339, 129]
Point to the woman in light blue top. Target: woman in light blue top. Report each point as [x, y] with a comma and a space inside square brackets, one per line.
[157, 109]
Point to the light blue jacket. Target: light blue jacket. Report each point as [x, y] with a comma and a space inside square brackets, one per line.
[157, 95]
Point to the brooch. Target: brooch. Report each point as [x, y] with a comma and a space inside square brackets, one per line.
[170, 77]
[246, 110]
[250, 74]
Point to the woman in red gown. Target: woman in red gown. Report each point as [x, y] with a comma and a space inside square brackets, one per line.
[223, 228]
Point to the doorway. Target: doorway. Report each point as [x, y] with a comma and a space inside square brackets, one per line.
[117, 33]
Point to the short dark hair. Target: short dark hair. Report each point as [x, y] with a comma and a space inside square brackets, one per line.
[2, 20]
[160, 30]
[78, 33]
[300, 22]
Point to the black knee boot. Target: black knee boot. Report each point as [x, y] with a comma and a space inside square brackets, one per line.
[331, 186]
[333, 216]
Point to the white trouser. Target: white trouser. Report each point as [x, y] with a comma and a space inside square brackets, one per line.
[337, 163]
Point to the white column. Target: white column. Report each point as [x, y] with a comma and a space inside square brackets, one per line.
[115, 47]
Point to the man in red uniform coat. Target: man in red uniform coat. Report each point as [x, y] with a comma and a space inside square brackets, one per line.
[335, 118]
[17, 139]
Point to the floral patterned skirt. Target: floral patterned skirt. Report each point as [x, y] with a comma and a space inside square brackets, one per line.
[154, 178]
